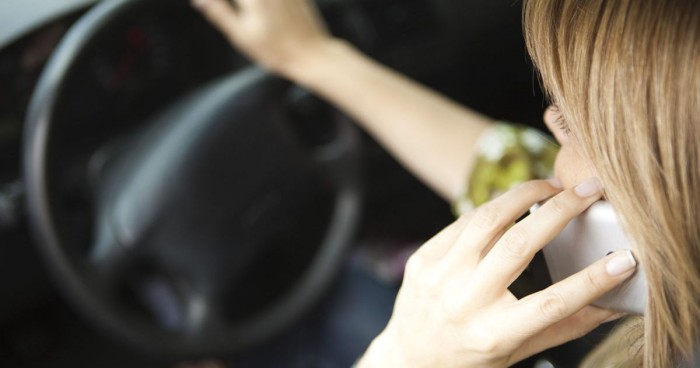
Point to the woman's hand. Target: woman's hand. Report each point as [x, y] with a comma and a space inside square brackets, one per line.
[278, 34]
[454, 308]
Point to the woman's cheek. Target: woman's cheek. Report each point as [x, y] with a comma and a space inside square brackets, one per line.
[571, 168]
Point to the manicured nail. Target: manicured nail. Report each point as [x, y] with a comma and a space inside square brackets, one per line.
[620, 263]
[556, 183]
[588, 188]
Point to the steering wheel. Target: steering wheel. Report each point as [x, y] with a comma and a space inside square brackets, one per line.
[196, 215]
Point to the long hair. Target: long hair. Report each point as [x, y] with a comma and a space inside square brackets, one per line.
[626, 77]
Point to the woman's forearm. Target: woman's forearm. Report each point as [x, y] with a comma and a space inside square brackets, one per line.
[430, 135]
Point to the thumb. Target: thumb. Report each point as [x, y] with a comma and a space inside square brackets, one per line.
[571, 328]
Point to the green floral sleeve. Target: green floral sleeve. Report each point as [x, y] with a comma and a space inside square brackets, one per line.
[507, 155]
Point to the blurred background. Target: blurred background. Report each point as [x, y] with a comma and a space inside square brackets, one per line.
[145, 58]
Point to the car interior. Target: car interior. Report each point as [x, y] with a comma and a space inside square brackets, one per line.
[162, 199]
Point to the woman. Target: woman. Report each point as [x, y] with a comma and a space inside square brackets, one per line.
[624, 76]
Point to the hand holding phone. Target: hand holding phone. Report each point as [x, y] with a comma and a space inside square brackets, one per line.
[588, 238]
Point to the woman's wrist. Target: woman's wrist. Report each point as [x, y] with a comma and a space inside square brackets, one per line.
[316, 63]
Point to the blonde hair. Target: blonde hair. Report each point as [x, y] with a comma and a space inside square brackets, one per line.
[626, 77]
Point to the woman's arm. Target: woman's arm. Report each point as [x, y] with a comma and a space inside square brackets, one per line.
[432, 136]
[454, 308]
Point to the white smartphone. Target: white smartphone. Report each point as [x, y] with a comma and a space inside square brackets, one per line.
[588, 238]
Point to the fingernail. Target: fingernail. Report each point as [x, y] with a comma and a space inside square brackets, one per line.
[588, 188]
[621, 263]
[556, 183]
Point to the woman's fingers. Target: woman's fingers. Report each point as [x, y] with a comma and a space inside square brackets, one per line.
[515, 249]
[543, 309]
[221, 13]
[571, 328]
[492, 219]
[279, 35]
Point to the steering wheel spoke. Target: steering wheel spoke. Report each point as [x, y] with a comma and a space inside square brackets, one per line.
[335, 158]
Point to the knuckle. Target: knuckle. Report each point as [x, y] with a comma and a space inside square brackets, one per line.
[553, 307]
[515, 245]
[486, 217]
[558, 206]
[593, 280]
[414, 265]
[489, 344]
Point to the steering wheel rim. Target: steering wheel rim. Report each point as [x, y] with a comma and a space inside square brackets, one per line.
[67, 270]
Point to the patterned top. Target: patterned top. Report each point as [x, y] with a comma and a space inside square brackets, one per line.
[508, 154]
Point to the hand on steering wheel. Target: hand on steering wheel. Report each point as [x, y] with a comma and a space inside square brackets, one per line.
[276, 34]
[454, 308]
